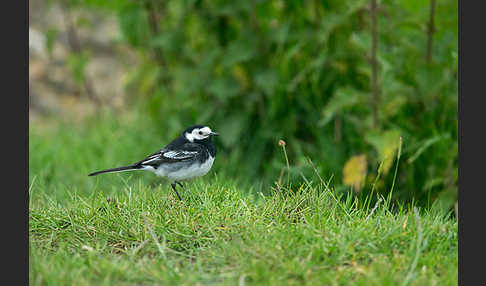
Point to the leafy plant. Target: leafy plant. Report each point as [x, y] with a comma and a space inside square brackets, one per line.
[260, 71]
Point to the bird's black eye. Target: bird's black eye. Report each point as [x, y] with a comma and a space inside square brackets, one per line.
[200, 133]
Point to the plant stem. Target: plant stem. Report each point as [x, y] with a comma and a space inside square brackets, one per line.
[374, 64]
[430, 31]
[337, 128]
[288, 165]
[154, 14]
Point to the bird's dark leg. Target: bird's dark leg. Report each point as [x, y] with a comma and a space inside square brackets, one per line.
[175, 190]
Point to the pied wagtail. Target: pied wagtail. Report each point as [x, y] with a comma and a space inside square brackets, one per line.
[188, 156]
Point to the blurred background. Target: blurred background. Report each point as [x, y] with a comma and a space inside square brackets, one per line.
[342, 82]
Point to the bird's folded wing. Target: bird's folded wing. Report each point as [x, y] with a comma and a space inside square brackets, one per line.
[187, 152]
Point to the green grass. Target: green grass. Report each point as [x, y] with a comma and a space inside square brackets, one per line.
[127, 229]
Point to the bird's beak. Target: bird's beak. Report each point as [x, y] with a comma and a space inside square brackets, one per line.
[214, 134]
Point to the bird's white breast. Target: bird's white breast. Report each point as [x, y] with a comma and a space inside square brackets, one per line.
[187, 172]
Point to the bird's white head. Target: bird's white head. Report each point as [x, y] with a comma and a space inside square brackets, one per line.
[198, 133]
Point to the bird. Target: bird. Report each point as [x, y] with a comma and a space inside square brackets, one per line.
[188, 156]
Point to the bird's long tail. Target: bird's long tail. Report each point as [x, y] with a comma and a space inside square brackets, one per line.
[119, 169]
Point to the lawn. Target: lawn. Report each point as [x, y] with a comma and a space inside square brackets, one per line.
[130, 229]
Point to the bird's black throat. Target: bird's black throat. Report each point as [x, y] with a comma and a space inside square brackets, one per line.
[209, 144]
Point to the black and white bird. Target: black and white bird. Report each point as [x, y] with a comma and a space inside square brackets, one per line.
[189, 156]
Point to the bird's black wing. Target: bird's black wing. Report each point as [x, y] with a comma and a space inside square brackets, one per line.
[185, 152]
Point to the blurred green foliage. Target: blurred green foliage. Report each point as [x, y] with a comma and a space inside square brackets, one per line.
[259, 71]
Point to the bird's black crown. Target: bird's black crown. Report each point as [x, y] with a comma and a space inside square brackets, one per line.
[189, 130]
